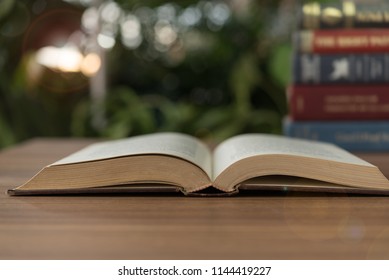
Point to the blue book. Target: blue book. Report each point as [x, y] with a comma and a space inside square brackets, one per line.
[350, 135]
[340, 68]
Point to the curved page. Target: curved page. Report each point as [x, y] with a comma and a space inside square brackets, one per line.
[172, 144]
[245, 146]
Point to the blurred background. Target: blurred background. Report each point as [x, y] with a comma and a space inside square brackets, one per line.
[93, 68]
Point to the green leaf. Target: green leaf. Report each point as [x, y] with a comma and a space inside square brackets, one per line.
[244, 77]
[5, 7]
[280, 64]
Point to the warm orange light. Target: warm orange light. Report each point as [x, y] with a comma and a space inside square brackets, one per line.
[66, 59]
[90, 65]
[69, 59]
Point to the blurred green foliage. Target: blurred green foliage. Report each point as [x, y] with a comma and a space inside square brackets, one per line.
[214, 82]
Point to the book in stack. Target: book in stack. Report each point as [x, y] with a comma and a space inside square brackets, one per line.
[340, 76]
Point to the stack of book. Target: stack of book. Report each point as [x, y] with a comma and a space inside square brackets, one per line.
[340, 76]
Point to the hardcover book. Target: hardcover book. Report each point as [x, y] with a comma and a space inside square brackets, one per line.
[363, 136]
[348, 14]
[177, 162]
[338, 102]
[342, 41]
[364, 68]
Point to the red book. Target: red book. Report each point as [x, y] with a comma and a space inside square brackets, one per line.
[343, 40]
[339, 102]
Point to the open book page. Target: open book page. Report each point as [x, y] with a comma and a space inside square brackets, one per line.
[171, 144]
[245, 146]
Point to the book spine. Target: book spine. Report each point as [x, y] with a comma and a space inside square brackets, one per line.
[352, 136]
[342, 102]
[340, 69]
[345, 15]
[342, 41]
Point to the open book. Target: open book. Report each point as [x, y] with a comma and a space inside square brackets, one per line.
[177, 162]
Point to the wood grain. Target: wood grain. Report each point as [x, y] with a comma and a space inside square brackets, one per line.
[261, 226]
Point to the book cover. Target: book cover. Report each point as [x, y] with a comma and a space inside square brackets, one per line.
[342, 41]
[338, 102]
[348, 14]
[340, 68]
[366, 136]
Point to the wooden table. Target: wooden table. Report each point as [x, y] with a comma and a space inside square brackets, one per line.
[267, 226]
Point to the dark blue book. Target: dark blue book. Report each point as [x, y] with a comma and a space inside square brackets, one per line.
[340, 68]
[350, 135]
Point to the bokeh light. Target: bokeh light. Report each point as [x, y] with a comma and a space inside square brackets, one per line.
[66, 59]
[91, 64]
[131, 31]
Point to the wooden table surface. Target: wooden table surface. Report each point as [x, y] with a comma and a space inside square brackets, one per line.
[267, 226]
